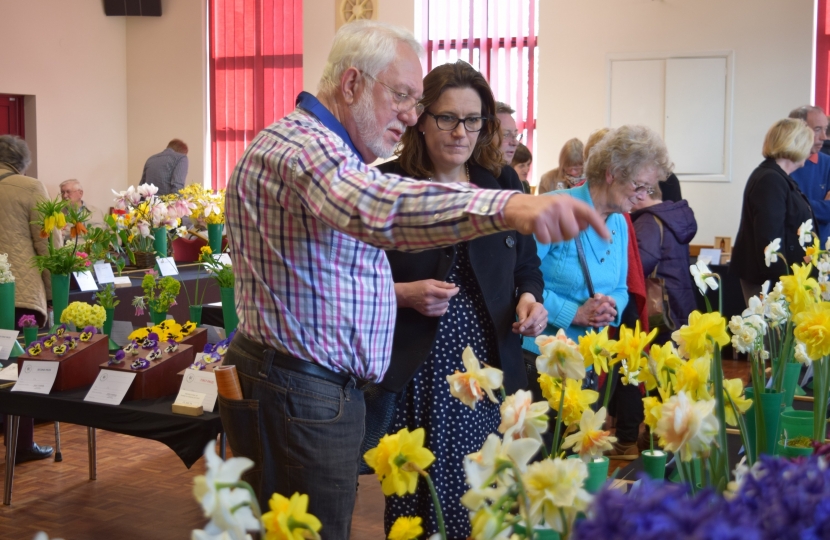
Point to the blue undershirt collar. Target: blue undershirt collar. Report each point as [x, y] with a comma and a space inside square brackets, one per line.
[312, 105]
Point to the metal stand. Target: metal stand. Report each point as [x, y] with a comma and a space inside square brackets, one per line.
[93, 465]
[223, 444]
[58, 455]
[12, 427]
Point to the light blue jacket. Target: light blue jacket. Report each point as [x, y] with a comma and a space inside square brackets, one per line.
[565, 286]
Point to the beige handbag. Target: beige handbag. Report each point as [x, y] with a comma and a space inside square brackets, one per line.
[657, 297]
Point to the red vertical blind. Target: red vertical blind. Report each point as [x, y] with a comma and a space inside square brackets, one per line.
[256, 72]
[497, 37]
[823, 56]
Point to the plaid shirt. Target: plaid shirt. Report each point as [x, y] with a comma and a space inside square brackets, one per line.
[308, 221]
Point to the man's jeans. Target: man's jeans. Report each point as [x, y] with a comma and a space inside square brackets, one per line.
[303, 434]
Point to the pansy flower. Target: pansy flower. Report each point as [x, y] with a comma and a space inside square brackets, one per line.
[71, 342]
[172, 346]
[119, 357]
[197, 366]
[35, 349]
[222, 347]
[60, 330]
[210, 358]
[188, 327]
[151, 341]
[88, 332]
[131, 347]
[50, 341]
[59, 350]
[155, 354]
[209, 348]
[140, 363]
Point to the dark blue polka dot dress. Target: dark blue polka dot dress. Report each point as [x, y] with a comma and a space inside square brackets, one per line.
[453, 430]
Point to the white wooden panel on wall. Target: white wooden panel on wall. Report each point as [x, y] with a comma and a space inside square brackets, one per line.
[637, 93]
[695, 105]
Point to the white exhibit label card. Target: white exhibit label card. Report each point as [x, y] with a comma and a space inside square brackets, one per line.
[188, 398]
[167, 266]
[7, 340]
[9, 373]
[103, 272]
[36, 376]
[122, 281]
[224, 258]
[85, 280]
[203, 382]
[709, 255]
[110, 387]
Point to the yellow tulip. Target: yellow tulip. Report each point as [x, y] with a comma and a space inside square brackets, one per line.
[813, 330]
[392, 458]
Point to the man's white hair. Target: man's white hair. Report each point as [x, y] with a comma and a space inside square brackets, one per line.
[369, 46]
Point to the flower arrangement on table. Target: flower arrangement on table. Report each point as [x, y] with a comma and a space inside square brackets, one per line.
[221, 272]
[138, 213]
[6, 275]
[53, 216]
[106, 297]
[83, 315]
[159, 293]
[207, 206]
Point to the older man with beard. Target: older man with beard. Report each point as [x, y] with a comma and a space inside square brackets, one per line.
[308, 220]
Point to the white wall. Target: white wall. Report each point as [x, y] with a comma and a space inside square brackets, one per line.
[167, 85]
[72, 58]
[772, 40]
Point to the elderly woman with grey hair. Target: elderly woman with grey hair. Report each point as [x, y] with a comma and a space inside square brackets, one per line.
[22, 241]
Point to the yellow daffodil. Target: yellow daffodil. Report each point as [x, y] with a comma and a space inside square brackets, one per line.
[554, 487]
[486, 523]
[406, 528]
[693, 339]
[812, 252]
[527, 419]
[467, 386]
[662, 363]
[693, 378]
[813, 330]
[576, 399]
[735, 389]
[631, 344]
[480, 467]
[687, 427]
[393, 458]
[800, 290]
[559, 357]
[591, 440]
[595, 348]
[289, 519]
[652, 407]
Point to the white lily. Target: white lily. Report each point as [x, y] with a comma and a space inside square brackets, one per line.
[703, 281]
[771, 252]
[805, 232]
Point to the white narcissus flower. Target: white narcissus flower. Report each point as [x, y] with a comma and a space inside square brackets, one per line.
[687, 427]
[559, 357]
[805, 233]
[771, 252]
[233, 514]
[755, 306]
[468, 386]
[527, 418]
[801, 354]
[480, 467]
[218, 472]
[199, 534]
[699, 271]
[591, 440]
[554, 487]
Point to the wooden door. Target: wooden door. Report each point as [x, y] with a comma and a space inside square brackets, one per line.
[11, 115]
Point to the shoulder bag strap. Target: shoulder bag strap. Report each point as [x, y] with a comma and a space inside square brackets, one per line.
[584, 264]
[7, 175]
[660, 226]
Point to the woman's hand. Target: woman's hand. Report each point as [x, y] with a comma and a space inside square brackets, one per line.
[428, 297]
[597, 312]
[533, 317]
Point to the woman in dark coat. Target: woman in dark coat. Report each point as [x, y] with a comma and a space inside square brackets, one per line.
[664, 230]
[773, 207]
[484, 293]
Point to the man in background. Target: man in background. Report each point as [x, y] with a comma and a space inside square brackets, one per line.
[510, 136]
[167, 170]
[73, 193]
[814, 177]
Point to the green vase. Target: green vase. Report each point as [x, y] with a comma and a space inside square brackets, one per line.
[538, 534]
[771, 406]
[60, 295]
[215, 236]
[597, 473]
[158, 317]
[7, 306]
[228, 309]
[29, 334]
[196, 315]
[160, 242]
[792, 451]
[796, 424]
[654, 463]
[791, 372]
[108, 322]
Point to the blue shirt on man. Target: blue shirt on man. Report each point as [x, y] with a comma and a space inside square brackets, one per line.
[813, 180]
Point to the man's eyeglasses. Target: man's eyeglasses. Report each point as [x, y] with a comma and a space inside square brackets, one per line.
[403, 102]
[640, 190]
[512, 135]
[448, 122]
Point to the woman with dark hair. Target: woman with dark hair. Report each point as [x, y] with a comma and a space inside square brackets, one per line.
[522, 160]
[485, 293]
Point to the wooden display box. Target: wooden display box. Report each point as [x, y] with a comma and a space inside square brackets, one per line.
[77, 368]
[197, 339]
[159, 379]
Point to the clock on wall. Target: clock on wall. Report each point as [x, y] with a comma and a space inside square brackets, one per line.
[355, 10]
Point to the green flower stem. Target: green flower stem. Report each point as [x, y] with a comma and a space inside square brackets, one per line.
[439, 514]
[609, 381]
[567, 532]
[554, 451]
[525, 501]
[758, 388]
[721, 471]
[742, 428]
[254, 504]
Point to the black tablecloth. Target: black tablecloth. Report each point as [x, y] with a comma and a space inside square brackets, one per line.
[149, 419]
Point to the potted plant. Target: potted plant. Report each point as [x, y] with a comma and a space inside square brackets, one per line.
[223, 274]
[29, 325]
[106, 299]
[83, 315]
[159, 296]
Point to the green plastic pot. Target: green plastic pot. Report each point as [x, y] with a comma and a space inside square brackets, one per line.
[29, 334]
[160, 241]
[60, 295]
[7, 306]
[597, 473]
[196, 315]
[228, 309]
[215, 236]
[792, 451]
[158, 317]
[796, 424]
[771, 405]
[791, 372]
[654, 464]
